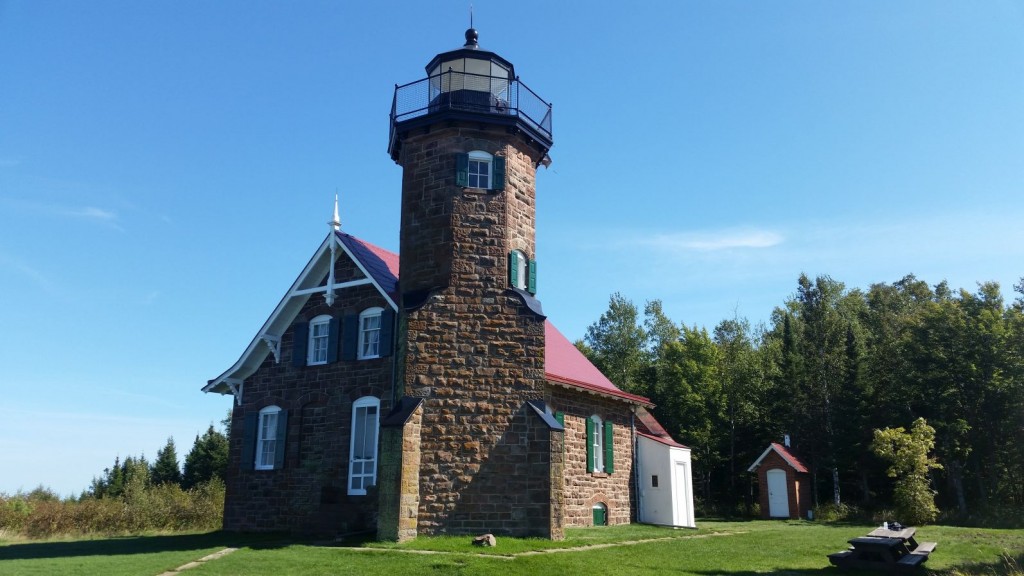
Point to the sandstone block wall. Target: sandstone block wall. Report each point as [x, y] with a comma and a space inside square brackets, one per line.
[584, 489]
[309, 494]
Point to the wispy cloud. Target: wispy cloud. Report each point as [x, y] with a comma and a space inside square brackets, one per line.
[27, 271]
[708, 241]
[92, 213]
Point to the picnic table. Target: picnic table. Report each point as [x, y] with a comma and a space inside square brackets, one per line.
[884, 549]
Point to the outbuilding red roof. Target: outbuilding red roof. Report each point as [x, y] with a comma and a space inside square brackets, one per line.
[786, 455]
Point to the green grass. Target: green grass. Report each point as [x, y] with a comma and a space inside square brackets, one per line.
[726, 548]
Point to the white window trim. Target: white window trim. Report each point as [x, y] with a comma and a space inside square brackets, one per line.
[598, 443]
[262, 464]
[369, 313]
[325, 321]
[364, 402]
[481, 156]
[522, 270]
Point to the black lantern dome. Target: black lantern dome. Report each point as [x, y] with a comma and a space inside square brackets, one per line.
[469, 83]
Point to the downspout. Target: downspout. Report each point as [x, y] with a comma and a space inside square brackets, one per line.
[636, 466]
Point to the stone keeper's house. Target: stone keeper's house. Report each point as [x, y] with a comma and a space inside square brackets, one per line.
[428, 393]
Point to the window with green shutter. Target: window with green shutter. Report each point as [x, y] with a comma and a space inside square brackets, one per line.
[590, 445]
[531, 283]
[609, 448]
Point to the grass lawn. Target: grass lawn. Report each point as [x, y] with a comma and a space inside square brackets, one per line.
[733, 548]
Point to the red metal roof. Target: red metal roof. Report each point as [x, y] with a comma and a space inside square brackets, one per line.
[786, 455]
[563, 362]
[381, 264]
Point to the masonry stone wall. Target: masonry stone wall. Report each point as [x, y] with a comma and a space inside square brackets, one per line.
[584, 489]
[399, 479]
[472, 349]
[309, 494]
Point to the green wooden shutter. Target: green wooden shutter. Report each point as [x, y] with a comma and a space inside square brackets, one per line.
[282, 433]
[609, 448]
[462, 170]
[349, 336]
[333, 332]
[590, 445]
[513, 269]
[531, 284]
[498, 168]
[387, 332]
[560, 417]
[250, 428]
[300, 340]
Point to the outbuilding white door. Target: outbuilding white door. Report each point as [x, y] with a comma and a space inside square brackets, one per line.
[778, 496]
[682, 498]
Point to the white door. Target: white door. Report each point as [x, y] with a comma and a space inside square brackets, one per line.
[682, 497]
[778, 496]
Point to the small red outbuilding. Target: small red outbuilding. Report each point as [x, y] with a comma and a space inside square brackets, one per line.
[784, 483]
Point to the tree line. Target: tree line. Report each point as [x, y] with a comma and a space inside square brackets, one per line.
[830, 367]
[131, 497]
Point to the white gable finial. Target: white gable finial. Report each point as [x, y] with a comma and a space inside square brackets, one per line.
[336, 222]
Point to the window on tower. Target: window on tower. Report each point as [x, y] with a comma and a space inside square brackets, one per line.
[480, 170]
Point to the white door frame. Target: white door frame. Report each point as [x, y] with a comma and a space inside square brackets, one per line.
[778, 493]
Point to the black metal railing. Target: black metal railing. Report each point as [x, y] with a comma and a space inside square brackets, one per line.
[474, 93]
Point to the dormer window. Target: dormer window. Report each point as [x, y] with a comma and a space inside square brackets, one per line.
[480, 170]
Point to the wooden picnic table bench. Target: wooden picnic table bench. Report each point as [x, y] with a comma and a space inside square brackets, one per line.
[884, 549]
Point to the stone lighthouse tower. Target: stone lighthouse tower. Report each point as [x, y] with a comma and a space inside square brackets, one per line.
[470, 447]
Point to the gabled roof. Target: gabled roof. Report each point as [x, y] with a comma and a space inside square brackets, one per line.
[786, 455]
[564, 363]
[380, 264]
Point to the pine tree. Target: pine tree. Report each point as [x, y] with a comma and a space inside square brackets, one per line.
[207, 459]
[165, 468]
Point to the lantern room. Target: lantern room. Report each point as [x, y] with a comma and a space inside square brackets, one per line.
[469, 84]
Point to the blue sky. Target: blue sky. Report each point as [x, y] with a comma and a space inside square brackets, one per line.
[167, 169]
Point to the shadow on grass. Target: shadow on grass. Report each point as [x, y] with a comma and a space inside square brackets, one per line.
[119, 546]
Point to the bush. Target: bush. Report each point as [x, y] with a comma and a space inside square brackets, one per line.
[832, 512]
[141, 508]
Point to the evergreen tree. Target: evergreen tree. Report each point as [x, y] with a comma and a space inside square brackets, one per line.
[165, 468]
[207, 459]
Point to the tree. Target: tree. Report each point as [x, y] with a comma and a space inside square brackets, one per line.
[909, 463]
[165, 468]
[207, 459]
[616, 343]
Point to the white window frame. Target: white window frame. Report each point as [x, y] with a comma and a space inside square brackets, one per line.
[477, 157]
[319, 334]
[369, 338]
[598, 443]
[522, 270]
[266, 437]
[367, 467]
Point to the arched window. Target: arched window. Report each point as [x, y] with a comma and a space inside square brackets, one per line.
[319, 339]
[518, 269]
[362, 462]
[595, 440]
[369, 333]
[480, 170]
[600, 514]
[266, 438]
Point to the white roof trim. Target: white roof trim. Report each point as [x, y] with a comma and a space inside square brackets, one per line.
[771, 448]
[286, 311]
